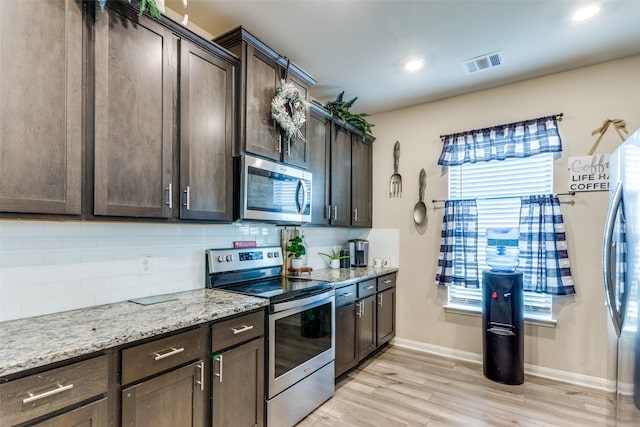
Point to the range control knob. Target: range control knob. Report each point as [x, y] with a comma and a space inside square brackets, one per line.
[220, 258]
[229, 258]
[276, 254]
[270, 254]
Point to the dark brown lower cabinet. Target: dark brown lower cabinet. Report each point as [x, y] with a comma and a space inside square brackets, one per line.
[386, 315]
[91, 415]
[346, 344]
[173, 399]
[366, 326]
[237, 387]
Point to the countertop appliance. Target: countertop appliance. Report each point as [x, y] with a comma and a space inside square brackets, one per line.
[300, 328]
[359, 252]
[621, 268]
[270, 191]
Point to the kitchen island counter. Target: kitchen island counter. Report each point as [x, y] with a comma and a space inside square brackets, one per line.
[38, 341]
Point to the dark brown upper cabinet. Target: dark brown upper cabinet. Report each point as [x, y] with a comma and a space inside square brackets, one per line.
[262, 68]
[206, 134]
[41, 110]
[135, 79]
[361, 180]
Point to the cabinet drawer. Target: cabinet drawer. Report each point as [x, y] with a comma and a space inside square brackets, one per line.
[40, 394]
[366, 288]
[156, 356]
[346, 295]
[387, 281]
[234, 331]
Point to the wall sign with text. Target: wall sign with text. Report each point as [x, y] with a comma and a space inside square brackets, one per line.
[589, 173]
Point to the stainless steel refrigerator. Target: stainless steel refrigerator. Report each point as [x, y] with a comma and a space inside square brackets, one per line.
[621, 268]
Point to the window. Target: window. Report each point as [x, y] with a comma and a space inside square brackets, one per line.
[497, 186]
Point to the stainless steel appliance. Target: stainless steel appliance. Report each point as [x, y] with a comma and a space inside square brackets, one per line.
[271, 191]
[300, 328]
[359, 252]
[621, 268]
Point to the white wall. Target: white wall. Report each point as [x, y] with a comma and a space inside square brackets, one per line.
[586, 97]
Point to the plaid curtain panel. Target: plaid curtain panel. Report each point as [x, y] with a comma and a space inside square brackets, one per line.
[544, 260]
[520, 139]
[458, 259]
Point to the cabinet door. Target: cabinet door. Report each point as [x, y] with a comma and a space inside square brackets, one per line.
[135, 79]
[238, 386]
[206, 135]
[346, 344]
[340, 176]
[261, 132]
[41, 108]
[94, 415]
[386, 316]
[297, 152]
[366, 326]
[361, 178]
[319, 134]
[175, 398]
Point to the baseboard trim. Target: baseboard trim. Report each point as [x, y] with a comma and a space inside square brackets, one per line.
[538, 371]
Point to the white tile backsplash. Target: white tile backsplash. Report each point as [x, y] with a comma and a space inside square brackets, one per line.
[50, 266]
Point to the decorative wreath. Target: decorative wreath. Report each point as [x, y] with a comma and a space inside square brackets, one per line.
[288, 110]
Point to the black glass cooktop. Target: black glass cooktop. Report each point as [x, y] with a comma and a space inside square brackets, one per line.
[281, 288]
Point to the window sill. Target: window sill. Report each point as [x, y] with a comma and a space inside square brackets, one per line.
[530, 320]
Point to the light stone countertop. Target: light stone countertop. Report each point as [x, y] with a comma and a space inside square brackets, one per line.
[37, 341]
[346, 276]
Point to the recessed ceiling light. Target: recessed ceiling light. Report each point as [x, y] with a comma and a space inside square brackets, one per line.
[586, 12]
[414, 64]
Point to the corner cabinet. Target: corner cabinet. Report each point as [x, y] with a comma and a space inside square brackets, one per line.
[206, 134]
[262, 68]
[41, 109]
[135, 76]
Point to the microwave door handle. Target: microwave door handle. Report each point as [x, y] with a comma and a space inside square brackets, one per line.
[304, 196]
[607, 260]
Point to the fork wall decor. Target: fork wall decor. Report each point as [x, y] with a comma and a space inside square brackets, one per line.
[395, 183]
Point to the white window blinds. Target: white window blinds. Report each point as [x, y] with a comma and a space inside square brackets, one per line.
[497, 186]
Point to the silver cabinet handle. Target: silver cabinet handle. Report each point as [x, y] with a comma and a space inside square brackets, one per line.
[368, 288]
[359, 312]
[380, 299]
[386, 281]
[172, 352]
[279, 145]
[327, 213]
[335, 213]
[200, 366]
[347, 294]
[169, 196]
[187, 202]
[361, 308]
[60, 389]
[355, 215]
[289, 147]
[244, 328]
[218, 358]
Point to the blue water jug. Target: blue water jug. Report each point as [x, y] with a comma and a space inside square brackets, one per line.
[502, 249]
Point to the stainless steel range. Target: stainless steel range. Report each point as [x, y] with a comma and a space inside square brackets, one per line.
[300, 330]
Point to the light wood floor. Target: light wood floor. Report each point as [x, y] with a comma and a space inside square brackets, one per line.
[401, 387]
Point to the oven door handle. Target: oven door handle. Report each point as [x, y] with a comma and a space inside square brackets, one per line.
[303, 303]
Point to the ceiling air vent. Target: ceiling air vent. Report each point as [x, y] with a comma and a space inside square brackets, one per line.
[483, 62]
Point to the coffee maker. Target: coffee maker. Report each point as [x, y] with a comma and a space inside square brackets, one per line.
[358, 252]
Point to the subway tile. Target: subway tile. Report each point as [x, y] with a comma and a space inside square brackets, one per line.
[21, 228]
[42, 274]
[39, 307]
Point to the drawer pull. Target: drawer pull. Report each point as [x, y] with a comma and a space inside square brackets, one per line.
[244, 328]
[387, 281]
[200, 366]
[218, 374]
[370, 287]
[346, 294]
[33, 398]
[173, 352]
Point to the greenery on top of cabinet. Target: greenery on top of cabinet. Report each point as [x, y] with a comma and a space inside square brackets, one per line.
[144, 5]
[340, 109]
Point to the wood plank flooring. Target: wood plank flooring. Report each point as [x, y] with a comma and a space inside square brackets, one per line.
[402, 387]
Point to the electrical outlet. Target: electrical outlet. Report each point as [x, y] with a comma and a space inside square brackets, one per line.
[145, 265]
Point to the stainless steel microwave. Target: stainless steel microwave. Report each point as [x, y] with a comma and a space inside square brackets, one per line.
[272, 191]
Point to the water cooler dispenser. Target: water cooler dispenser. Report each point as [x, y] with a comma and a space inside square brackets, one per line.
[503, 309]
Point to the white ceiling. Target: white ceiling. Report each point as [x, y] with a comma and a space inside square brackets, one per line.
[359, 46]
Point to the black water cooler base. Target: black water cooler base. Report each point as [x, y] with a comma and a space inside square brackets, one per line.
[503, 327]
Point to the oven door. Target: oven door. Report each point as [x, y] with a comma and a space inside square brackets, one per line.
[301, 340]
[272, 191]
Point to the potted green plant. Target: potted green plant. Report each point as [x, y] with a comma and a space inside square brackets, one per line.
[295, 251]
[334, 258]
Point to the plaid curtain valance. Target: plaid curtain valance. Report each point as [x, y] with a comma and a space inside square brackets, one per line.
[458, 259]
[544, 259]
[520, 139]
